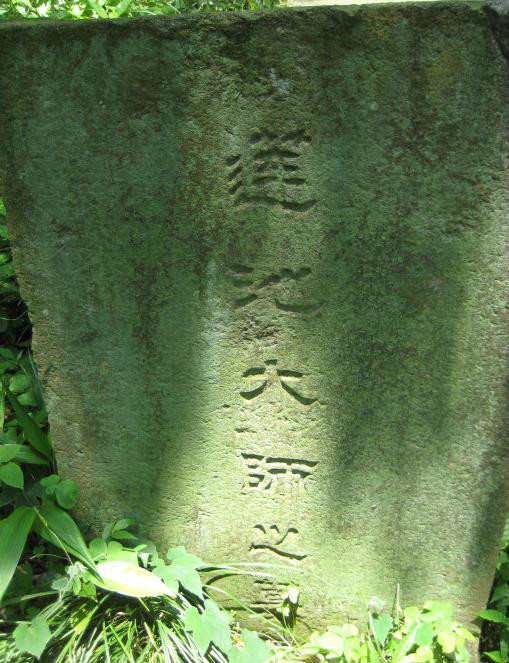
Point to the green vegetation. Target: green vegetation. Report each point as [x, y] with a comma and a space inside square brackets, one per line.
[77, 9]
[496, 632]
[407, 636]
[122, 602]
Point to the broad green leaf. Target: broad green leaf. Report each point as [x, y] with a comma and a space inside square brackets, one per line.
[9, 496]
[409, 658]
[28, 398]
[5, 353]
[97, 8]
[10, 436]
[187, 577]
[381, 626]
[66, 493]
[112, 528]
[40, 419]
[496, 656]
[332, 642]
[12, 475]
[347, 630]
[50, 483]
[59, 528]
[494, 616]
[123, 523]
[312, 646]
[88, 590]
[123, 535]
[37, 437]
[351, 649]
[500, 592]
[424, 654]
[179, 556]
[169, 579]
[465, 633]
[14, 533]
[374, 656]
[447, 641]
[116, 552]
[211, 625]
[19, 383]
[401, 648]
[27, 455]
[7, 289]
[439, 609]
[183, 569]
[98, 548]
[126, 578]
[252, 649]
[504, 643]
[7, 270]
[122, 7]
[424, 635]
[33, 637]
[8, 452]
[61, 584]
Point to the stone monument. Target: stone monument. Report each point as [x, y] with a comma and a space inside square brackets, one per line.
[266, 260]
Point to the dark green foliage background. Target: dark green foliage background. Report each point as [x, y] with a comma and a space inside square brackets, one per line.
[77, 9]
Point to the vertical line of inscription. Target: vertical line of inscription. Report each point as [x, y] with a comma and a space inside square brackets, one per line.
[272, 173]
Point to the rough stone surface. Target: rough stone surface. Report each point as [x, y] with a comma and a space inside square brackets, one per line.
[266, 259]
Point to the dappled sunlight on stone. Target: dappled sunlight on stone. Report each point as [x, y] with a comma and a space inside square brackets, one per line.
[265, 256]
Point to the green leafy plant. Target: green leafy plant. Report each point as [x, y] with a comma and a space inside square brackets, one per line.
[64, 491]
[38, 506]
[413, 635]
[124, 611]
[15, 331]
[83, 9]
[497, 613]
[33, 636]
[11, 473]
[51, 523]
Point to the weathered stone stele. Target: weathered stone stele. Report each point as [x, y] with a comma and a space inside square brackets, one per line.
[265, 257]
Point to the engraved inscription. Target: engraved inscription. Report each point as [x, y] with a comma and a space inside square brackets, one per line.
[249, 288]
[271, 474]
[264, 377]
[271, 594]
[243, 282]
[277, 599]
[281, 543]
[271, 171]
